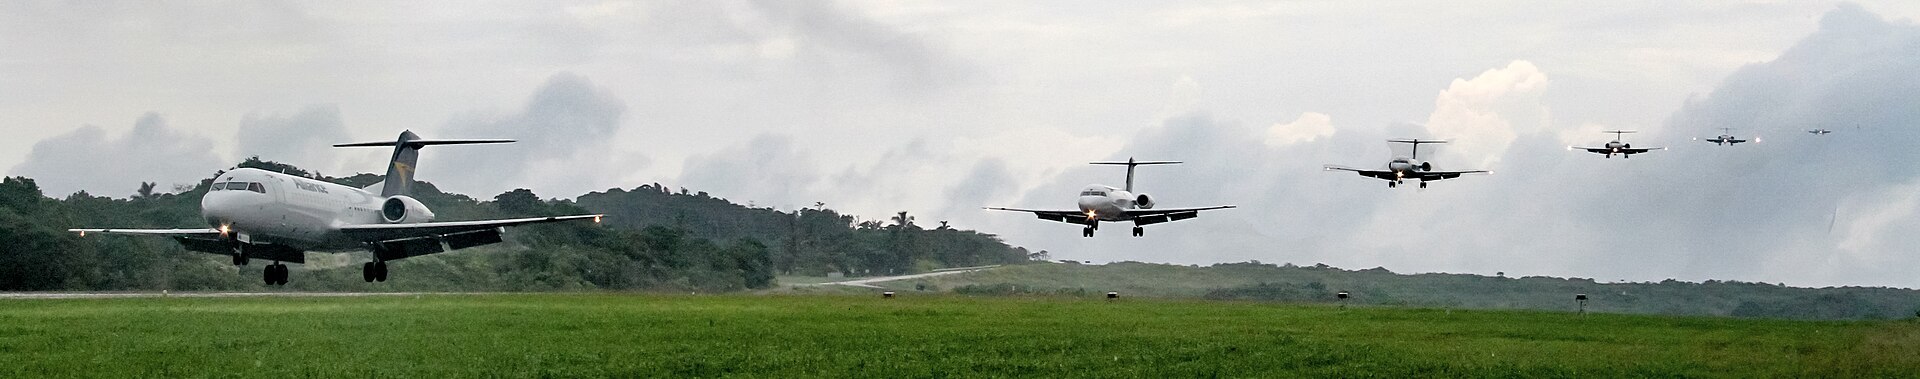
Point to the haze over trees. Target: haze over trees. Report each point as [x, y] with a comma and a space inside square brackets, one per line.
[653, 239]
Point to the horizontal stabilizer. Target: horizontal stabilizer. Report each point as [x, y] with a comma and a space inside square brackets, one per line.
[424, 142]
[1133, 163]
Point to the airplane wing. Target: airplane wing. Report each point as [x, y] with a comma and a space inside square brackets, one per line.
[190, 233]
[1382, 174]
[1154, 216]
[1736, 141]
[1595, 150]
[1640, 150]
[1070, 217]
[389, 232]
[1438, 175]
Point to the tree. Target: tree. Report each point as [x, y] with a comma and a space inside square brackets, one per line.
[145, 192]
[519, 201]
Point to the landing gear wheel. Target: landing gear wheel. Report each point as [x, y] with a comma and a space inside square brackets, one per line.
[1139, 231]
[239, 259]
[276, 274]
[1393, 184]
[1423, 184]
[380, 271]
[366, 272]
[1086, 232]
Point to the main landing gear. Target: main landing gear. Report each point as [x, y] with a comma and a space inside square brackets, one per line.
[375, 271]
[1086, 232]
[276, 274]
[1139, 231]
[1423, 184]
[1393, 184]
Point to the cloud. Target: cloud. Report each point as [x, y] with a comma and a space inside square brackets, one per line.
[1310, 126]
[1484, 115]
[1695, 212]
[768, 171]
[566, 144]
[989, 180]
[88, 159]
[300, 138]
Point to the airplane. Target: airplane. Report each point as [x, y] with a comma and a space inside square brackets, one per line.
[1625, 150]
[1402, 168]
[1725, 138]
[1819, 131]
[260, 214]
[1100, 203]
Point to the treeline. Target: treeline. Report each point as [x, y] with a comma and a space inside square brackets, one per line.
[1256, 281]
[702, 244]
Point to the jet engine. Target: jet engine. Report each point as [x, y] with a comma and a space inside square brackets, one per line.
[1426, 166]
[1143, 202]
[1626, 146]
[401, 209]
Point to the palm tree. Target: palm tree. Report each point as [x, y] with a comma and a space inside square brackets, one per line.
[903, 220]
[145, 192]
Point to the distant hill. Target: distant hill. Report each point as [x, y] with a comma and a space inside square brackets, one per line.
[1378, 286]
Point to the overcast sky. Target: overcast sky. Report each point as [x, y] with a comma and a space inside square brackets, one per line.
[939, 108]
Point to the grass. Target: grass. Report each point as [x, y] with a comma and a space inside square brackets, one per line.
[629, 335]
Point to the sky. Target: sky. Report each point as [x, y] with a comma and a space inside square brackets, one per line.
[941, 108]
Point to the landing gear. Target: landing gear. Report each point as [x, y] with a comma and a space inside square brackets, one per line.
[1139, 231]
[1086, 232]
[276, 274]
[374, 271]
[239, 259]
[1393, 184]
[1423, 184]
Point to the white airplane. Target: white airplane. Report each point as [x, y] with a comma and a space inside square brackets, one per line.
[1104, 203]
[1726, 138]
[1402, 168]
[259, 214]
[1819, 131]
[1626, 150]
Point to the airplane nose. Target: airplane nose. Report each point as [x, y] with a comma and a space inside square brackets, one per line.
[217, 208]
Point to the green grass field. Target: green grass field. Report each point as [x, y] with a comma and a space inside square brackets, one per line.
[625, 335]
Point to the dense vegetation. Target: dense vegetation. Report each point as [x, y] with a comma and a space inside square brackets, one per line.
[623, 335]
[653, 239]
[1377, 286]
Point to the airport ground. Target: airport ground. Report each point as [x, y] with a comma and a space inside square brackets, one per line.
[913, 335]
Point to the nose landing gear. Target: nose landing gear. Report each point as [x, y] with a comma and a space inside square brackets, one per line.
[1139, 231]
[1086, 232]
[1423, 184]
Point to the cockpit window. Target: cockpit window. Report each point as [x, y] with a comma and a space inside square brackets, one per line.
[1094, 193]
[256, 187]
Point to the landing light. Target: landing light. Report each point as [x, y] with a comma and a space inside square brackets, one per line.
[596, 219]
[224, 229]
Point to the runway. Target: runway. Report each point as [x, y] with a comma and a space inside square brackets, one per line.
[868, 282]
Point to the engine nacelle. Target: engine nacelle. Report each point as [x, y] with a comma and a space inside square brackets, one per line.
[401, 209]
[1143, 202]
[1426, 166]
[1626, 146]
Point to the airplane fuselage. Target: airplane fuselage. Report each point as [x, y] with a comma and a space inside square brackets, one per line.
[288, 210]
[1104, 203]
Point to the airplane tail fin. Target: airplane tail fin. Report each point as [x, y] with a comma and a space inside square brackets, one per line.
[406, 155]
[1416, 142]
[1130, 163]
